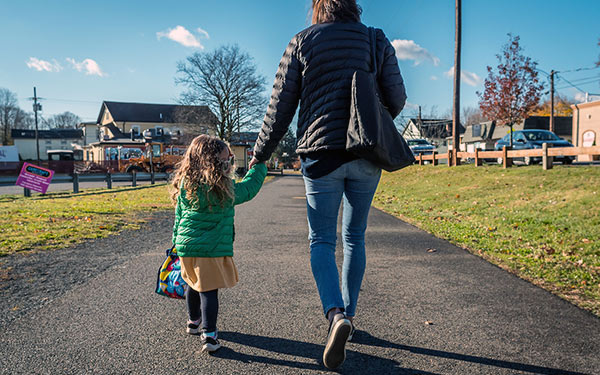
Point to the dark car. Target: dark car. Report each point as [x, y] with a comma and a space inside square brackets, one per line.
[534, 138]
[420, 146]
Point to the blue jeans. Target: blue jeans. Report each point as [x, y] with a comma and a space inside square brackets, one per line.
[356, 183]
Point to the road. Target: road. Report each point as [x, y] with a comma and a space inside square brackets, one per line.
[420, 312]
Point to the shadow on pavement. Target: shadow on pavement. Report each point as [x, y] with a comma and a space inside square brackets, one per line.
[355, 361]
[364, 338]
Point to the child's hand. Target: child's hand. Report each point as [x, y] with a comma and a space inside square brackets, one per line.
[253, 162]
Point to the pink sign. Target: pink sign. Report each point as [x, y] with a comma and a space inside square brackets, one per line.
[35, 178]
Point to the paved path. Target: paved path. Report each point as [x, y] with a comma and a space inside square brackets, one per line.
[485, 321]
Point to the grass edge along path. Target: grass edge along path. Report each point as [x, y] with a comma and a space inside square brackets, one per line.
[543, 226]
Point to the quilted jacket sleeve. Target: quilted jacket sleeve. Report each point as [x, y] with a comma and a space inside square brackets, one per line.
[250, 184]
[177, 220]
[282, 106]
[389, 78]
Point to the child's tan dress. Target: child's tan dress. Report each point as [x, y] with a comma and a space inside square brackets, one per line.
[206, 274]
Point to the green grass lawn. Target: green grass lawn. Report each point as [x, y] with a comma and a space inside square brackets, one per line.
[542, 225]
[61, 219]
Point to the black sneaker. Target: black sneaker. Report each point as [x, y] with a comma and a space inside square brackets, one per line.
[351, 335]
[335, 349]
[210, 344]
[192, 328]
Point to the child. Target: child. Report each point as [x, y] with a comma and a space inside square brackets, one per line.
[203, 232]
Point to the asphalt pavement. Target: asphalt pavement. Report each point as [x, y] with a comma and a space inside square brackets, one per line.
[420, 312]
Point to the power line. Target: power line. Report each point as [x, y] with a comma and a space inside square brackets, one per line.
[579, 69]
[580, 84]
[573, 85]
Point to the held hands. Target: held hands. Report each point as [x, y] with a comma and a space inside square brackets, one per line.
[253, 162]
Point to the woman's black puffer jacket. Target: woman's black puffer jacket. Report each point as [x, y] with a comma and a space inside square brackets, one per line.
[316, 70]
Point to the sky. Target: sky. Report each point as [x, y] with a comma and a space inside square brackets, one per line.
[80, 53]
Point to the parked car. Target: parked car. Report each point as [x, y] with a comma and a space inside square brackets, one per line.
[534, 138]
[420, 146]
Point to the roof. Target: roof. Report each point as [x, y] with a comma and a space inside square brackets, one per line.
[436, 128]
[586, 105]
[47, 134]
[145, 112]
[491, 130]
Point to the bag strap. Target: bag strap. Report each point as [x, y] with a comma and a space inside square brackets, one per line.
[373, 50]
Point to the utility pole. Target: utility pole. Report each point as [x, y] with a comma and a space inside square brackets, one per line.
[551, 128]
[36, 107]
[456, 109]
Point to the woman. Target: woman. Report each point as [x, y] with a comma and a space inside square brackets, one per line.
[316, 72]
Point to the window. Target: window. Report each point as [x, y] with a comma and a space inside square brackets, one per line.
[98, 133]
[63, 142]
[48, 142]
[476, 130]
[159, 130]
[135, 129]
[156, 151]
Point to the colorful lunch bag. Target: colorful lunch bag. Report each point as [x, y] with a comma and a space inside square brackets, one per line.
[170, 283]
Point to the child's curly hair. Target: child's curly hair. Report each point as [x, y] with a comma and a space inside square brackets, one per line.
[201, 165]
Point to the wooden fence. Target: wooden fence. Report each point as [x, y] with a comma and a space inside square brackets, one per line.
[546, 153]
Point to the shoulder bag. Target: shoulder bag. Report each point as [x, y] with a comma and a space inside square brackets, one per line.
[372, 134]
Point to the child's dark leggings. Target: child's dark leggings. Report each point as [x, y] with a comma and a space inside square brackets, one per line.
[205, 305]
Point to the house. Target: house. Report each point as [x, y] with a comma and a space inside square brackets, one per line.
[132, 125]
[485, 134]
[242, 146]
[91, 132]
[436, 131]
[586, 127]
[53, 139]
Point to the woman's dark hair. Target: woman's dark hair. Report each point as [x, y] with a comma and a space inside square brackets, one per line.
[335, 11]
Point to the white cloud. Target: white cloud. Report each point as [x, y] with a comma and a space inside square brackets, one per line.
[203, 32]
[409, 105]
[42, 65]
[182, 36]
[89, 66]
[433, 78]
[469, 78]
[580, 97]
[409, 50]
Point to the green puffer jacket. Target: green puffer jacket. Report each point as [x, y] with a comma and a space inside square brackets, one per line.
[206, 229]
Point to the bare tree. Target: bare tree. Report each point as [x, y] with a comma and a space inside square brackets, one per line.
[472, 115]
[227, 82]
[514, 91]
[65, 120]
[194, 120]
[8, 111]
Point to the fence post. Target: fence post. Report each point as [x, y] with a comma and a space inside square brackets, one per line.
[449, 157]
[75, 183]
[506, 162]
[26, 192]
[134, 178]
[477, 159]
[152, 178]
[109, 180]
[434, 161]
[420, 158]
[546, 160]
